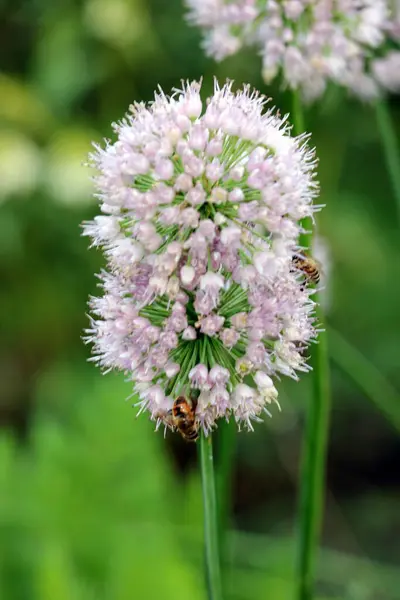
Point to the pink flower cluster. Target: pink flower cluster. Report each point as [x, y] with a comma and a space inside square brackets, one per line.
[201, 208]
[353, 43]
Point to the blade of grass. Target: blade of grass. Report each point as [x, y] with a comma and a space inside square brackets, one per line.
[391, 151]
[312, 472]
[210, 518]
[366, 376]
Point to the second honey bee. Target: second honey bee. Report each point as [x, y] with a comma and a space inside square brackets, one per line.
[309, 267]
[184, 418]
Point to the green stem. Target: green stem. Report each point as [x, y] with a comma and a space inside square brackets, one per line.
[297, 113]
[226, 454]
[298, 129]
[210, 518]
[389, 142]
[312, 481]
[312, 476]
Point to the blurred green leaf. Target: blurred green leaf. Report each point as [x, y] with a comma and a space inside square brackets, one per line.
[22, 107]
[61, 66]
[366, 376]
[92, 499]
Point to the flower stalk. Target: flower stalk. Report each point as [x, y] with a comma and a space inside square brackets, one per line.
[297, 112]
[312, 473]
[212, 558]
[226, 456]
[313, 459]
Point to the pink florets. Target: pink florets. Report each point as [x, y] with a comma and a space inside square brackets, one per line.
[201, 207]
[349, 42]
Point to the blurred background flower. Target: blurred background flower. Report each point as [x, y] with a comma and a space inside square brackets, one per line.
[352, 43]
[91, 504]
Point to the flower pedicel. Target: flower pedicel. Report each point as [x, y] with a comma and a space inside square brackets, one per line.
[201, 215]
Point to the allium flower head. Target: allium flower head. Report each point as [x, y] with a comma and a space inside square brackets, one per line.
[354, 43]
[201, 217]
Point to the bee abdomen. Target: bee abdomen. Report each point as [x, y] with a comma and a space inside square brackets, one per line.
[312, 273]
[191, 436]
[308, 268]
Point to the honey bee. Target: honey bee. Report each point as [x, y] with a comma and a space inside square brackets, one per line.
[308, 266]
[183, 415]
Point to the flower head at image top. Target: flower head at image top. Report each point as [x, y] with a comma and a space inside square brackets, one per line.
[353, 43]
[201, 207]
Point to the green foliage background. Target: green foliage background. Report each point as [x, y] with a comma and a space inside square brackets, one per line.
[93, 504]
